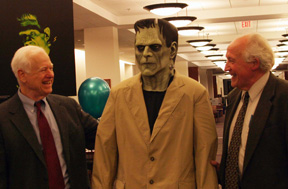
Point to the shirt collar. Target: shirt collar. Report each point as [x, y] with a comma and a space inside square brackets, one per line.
[28, 102]
[257, 87]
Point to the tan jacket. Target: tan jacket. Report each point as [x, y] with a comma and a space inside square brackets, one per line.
[176, 155]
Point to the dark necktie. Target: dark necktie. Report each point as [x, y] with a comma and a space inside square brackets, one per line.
[232, 168]
[55, 176]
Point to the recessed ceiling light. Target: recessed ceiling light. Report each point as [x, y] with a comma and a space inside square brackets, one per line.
[180, 21]
[199, 42]
[205, 47]
[165, 9]
[214, 56]
[189, 30]
[284, 41]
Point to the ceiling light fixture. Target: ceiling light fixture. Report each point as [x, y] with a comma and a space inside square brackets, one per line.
[199, 42]
[219, 61]
[278, 60]
[282, 46]
[210, 51]
[180, 21]
[214, 56]
[205, 47]
[284, 41]
[281, 53]
[189, 30]
[285, 35]
[165, 9]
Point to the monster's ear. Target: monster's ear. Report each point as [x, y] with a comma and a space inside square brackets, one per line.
[173, 49]
[47, 33]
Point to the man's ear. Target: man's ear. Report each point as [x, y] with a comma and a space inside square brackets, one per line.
[47, 33]
[255, 64]
[21, 76]
[174, 49]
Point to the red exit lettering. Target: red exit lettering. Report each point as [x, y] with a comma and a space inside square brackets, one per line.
[246, 24]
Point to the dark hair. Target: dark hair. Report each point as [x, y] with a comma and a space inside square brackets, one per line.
[169, 31]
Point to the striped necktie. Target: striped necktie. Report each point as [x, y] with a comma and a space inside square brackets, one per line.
[232, 175]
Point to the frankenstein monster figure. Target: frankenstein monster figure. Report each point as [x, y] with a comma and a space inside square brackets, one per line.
[32, 32]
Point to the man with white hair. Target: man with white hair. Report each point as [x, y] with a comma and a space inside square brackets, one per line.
[43, 136]
[255, 139]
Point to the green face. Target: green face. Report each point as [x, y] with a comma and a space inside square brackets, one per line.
[32, 33]
[34, 37]
[152, 55]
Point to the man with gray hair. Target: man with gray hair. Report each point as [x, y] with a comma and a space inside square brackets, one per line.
[255, 139]
[43, 136]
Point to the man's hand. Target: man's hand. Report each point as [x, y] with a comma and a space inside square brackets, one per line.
[215, 164]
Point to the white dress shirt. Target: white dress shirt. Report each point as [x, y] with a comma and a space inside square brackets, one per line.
[255, 93]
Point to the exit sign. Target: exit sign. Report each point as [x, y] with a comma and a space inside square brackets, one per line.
[246, 24]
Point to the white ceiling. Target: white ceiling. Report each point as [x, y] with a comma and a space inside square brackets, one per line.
[221, 19]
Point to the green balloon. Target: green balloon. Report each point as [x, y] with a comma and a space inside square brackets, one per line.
[93, 94]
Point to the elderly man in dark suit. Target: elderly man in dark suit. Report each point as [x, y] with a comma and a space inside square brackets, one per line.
[42, 136]
[255, 140]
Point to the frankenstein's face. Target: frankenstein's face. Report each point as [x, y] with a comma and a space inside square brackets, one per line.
[32, 34]
[33, 37]
[152, 55]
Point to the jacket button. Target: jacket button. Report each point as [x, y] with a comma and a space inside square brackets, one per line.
[152, 158]
[151, 181]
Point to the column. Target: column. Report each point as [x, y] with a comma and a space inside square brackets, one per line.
[102, 53]
[210, 83]
[182, 67]
[206, 79]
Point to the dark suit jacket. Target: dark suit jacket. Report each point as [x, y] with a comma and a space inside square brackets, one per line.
[266, 156]
[22, 163]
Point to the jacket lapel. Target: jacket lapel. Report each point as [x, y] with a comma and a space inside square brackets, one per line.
[231, 109]
[135, 102]
[172, 97]
[61, 119]
[258, 122]
[23, 124]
